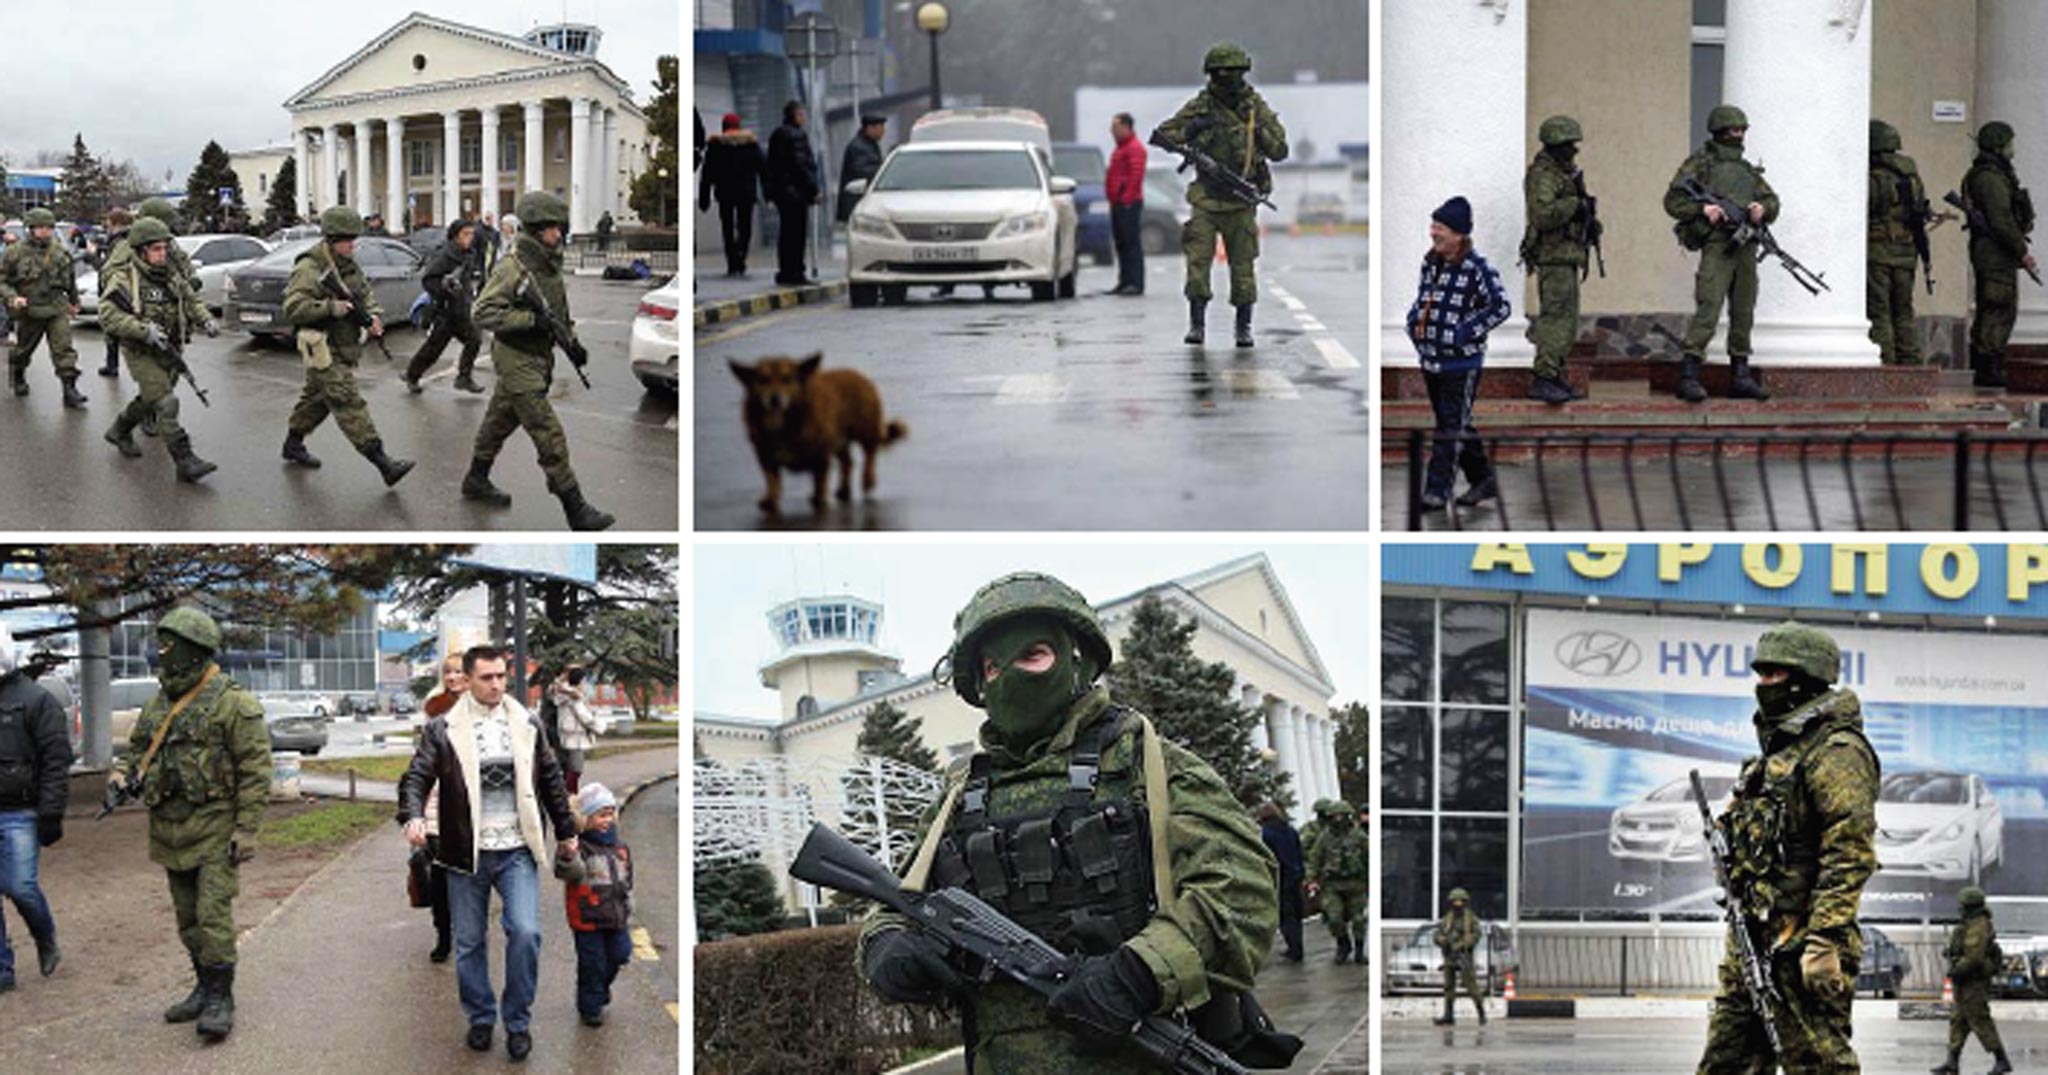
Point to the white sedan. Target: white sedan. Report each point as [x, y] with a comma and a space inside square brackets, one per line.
[213, 255]
[944, 213]
[655, 349]
[1943, 825]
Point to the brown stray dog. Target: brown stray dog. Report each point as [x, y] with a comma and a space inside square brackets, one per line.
[801, 419]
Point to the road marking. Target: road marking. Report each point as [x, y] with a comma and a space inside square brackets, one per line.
[1258, 384]
[675, 1012]
[1031, 388]
[643, 946]
[1335, 353]
[1293, 303]
[1280, 292]
[1310, 324]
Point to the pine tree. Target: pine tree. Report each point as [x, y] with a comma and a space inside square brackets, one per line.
[84, 196]
[203, 211]
[282, 210]
[1193, 702]
[891, 733]
[735, 900]
[8, 206]
[1354, 753]
[654, 192]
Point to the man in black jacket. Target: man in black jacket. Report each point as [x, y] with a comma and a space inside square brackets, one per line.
[863, 158]
[451, 278]
[792, 182]
[35, 782]
[1285, 843]
[734, 168]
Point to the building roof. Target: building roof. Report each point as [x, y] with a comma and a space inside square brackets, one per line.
[562, 61]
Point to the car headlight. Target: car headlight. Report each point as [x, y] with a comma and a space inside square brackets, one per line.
[873, 225]
[1028, 224]
[1950, 831]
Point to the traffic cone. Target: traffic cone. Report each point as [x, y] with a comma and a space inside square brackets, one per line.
[1508, 987]
[1948, 990]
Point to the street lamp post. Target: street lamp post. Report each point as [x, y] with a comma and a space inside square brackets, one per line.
[933, 18]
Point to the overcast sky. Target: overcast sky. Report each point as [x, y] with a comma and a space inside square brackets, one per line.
[152, 82]
[921, 586]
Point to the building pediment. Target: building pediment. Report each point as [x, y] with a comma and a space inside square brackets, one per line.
[423, 54]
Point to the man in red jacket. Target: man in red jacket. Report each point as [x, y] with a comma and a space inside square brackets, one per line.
[1125, 188]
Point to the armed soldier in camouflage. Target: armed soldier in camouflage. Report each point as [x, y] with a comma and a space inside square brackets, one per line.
[144, 301]
[331, 344]
[1457, 933]
[1231, 124]
[1899, 213]
[1312, 833]
[1993, 195]
[201, 755]
[1563, 227]
[1973, 959]
[1079, 822]
[118, 258]
[523, 290]
[41, 293]
[1801, 828]
[1340, 871]
[1727, 272]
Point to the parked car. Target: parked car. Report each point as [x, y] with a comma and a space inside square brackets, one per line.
[656, 347]
[296, 231]
[1316, 208]
[74, 720]
[1947, 826]
[1886, 966]
[88, 291]
[213, 256]
[2022, 923]
[1166, 211]
[295, 729]
[403, 704]
[318, 703]
[255, 291]
[1082, 162]
[1417, 965]
[962, 213]
[1664, 826]
[128, 697]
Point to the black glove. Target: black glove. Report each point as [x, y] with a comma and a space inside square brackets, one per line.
[579, 356]
[907, 967]
[211, 328]
[49, 829]
[1105, 997]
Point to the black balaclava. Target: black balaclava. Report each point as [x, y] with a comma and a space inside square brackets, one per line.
[1776, 700]
[1564, 152]
[1228, 84]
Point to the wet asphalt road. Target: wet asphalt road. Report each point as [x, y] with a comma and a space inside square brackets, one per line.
[1086, 414]
[63, 476]
[1411, 1046]
[650, 825]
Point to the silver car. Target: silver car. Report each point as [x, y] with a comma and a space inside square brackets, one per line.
[1417, 965]
[297, 730]
[212, 257]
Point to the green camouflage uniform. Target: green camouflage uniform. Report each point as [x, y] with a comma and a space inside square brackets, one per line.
[158, 296]
[1555, 243]
[309, 305]
[1456, 935]
[1727, 272]
[40, 271]
[1996, 251]
[1341, 867]
[1242, 135]
[1801, 830]
[1973, 958]
[1897, 199]
[523, 355]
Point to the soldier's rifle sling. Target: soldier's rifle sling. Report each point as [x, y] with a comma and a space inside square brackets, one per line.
[156, 741]
[1975, 220]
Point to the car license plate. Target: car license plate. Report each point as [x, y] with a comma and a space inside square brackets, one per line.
[255, 317]
[944, 253]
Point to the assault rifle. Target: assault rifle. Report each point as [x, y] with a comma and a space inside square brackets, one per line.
[980, 937]
[1975, 221]
[1593, 228]
[1207, 167]
[358, 315]
[1757, 977]
[119, 792]
[1918, 217]
[531, 298]
[1767, 244]
[174, 346]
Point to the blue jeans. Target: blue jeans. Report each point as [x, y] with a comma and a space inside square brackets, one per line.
[18, 853]
[517, 880]
[599, 955]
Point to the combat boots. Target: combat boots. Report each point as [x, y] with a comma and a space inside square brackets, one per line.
[188, 1009]
[1343, 951]
[476, 485]
[2003, 1064]
[392, 469]
[18, 377]
[191, 468]
[580, 514]
[1989, 367]
[465, 383]
[1480, 1004]
[1552, 390]
[1689, 387]
[1198, 313]
[1745, 384]
[1244, 325]
[217, 1016]
[295, 451]
[1450, 1015]
[122, 436]
[73, 398]
[1949, 1066]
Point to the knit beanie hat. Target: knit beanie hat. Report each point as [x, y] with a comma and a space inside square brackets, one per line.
[1455, 214]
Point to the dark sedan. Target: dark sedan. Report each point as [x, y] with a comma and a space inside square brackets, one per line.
[255, 292]
[1886, 966]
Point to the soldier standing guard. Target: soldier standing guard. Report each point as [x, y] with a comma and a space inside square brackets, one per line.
[1898, 222]
[1727, 272]
[1562, 228]
[1993, 195]
[1456, 935]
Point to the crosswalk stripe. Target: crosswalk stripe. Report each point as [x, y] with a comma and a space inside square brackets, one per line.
[1293, 303]
[1335, 353]
[1031, 388]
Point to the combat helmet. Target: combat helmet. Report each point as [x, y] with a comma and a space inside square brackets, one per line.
[1724, 117]
[1227, 56]
[1884, 138]
[1995, 135]
[1971, 898]
[340, 222]
[146, 231]
[1559, 131]
[40, 218]
[1804, 649]
[1459, 895]
[1322, 806]
[192, 625]
[537, 209]
[1015, 594]
[159, 209]
[1341, 809]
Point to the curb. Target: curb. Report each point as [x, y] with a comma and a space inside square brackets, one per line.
[730, 310]
[929, 1062]
[634, 791]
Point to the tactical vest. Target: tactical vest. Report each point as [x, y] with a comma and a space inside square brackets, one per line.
[1892, 201]
[1077, 873]
[1776, 843]
[196, 764]
[1729, 175]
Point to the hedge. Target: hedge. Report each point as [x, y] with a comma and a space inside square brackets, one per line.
[790, 1003]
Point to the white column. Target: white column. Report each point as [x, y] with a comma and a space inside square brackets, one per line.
[1285, 744]
[610, 159]
[1326, 754]
[534, 176]
[303, 179]
[2011, 84]
[579, 164]
[394, 174]
[359, 170]
[451, 168]
[1307, 775]
[1248, 695]
[1443, 134]
[330, 165]
[1801, 72]
[487, 196]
